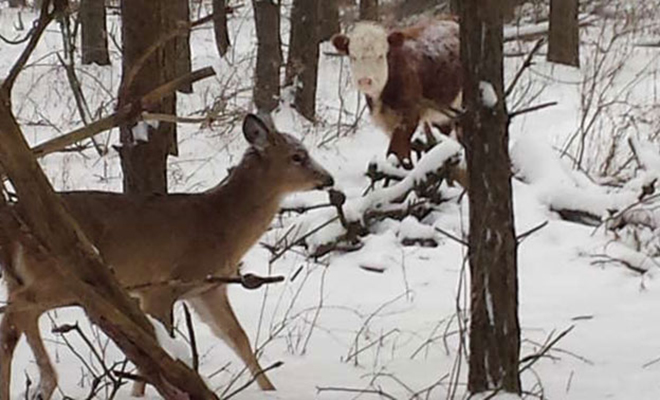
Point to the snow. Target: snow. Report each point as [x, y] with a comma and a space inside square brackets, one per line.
[488, 95]
[406, 317]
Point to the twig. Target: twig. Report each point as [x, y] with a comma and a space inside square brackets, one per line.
[45, 18]
[451, 236]
[120, 116]
[535, 357]
[535, 229]
[378, 392]
[530, 109]
[191, 337]
[251, 381]
[526, 64]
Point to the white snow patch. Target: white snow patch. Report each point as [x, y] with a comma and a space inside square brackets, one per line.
[488, 94]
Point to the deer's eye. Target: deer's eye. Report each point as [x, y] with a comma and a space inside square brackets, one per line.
[298, 158]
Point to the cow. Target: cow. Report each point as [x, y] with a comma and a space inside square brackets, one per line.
[407, 75]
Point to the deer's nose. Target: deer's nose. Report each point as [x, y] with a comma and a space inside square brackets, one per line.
[328, 181]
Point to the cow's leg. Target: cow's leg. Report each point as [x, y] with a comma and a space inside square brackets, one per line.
[401, 137]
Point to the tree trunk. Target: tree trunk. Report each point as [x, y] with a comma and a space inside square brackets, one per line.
[302, 64]
[494, 326]
[144, 24]
[220, 26]
[329, 19]
[564, 40]
[454, 6]
[16, 3]
[369, 10]
[84, 274]
[94, 33]
[181, 14]
[266, 91]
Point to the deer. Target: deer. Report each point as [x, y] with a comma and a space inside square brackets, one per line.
[160, 238]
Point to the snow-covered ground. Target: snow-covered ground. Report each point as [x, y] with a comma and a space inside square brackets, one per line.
[338, 325]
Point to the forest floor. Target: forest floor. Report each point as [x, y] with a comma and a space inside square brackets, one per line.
[338, 325]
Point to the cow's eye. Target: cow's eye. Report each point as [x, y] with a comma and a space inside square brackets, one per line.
[381, 57]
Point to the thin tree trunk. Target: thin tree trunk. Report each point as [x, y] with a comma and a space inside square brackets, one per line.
[220, 26]
[369, 10]
[564, 37]
[145, 22]
[182, 43]
[266, 91]
[17, 3]
[329, 19]
[94, 33]
[302, 64]
[494, 327]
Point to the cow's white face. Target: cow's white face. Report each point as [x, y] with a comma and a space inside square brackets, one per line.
[367, 49]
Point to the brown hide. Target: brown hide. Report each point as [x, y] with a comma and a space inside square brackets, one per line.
[420, 79]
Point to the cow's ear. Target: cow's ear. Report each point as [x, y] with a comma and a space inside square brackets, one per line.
[395, 39]
[340, 41]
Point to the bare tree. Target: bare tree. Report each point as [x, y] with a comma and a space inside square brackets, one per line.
[369, 10]
[302, 64]
[17, 3]
[94, 32]
[181, 17]
[149, 60]
[494, 326]
[564, 38]
[220, 26]
[266, 91]
[328, 19]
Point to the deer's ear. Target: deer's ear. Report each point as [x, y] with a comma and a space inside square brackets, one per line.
[256, 131]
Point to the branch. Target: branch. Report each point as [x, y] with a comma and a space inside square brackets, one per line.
[182, 29]
[530, 109]
[120, 116]
[526, 64]
[83, 272]
[45, 18]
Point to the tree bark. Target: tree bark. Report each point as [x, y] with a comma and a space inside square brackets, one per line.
[183, 66]
[302, 64]
[17, 3]
[220, 26]
[266, 91]
[145, 22]
[329, 19]
[494, 326]
[94, 32]
[369, 10]
[83, 271]
[564, 37]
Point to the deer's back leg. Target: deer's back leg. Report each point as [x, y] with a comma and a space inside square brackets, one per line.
[214, 309]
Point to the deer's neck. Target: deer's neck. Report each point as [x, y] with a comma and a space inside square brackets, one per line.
[249, 197]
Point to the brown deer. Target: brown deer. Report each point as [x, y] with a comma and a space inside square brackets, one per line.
[160, 238]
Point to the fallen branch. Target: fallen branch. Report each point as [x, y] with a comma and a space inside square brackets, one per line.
[127, 113]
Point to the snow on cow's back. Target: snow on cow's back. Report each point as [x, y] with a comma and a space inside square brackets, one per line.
[438, 39]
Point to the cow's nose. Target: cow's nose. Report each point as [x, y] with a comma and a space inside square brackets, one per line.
[364, 81]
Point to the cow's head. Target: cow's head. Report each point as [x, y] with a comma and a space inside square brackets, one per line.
[367, 46]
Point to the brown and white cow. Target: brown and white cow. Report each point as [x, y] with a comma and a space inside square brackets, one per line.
[407, 76]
